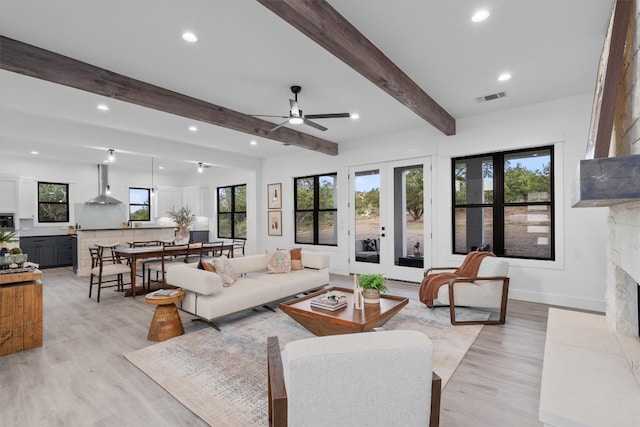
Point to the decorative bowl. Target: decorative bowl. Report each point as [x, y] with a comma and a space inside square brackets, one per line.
[19, 259]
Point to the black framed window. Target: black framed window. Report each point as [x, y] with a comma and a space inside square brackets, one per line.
[139, 204]
[232, 212]
[316, 209]
[504, 202]
[53, 202]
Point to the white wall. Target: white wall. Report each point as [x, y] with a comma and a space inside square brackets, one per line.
[576, 278]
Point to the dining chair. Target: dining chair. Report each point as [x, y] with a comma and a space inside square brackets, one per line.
[238, 246]
[211, 249]
[171, 254]
[106, 267]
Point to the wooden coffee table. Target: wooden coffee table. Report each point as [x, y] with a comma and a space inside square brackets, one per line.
[166, 321]
[346, 320]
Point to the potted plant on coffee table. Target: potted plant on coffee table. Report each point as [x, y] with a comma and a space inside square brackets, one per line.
[372, 285]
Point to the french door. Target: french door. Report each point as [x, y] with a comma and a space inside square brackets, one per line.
[390, 218]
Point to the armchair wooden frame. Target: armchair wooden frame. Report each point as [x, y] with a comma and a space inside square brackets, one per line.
[503, 300]
[278, 393]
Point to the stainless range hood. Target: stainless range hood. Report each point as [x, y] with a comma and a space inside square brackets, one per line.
[103, 182]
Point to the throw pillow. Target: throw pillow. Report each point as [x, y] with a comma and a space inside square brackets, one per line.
[279, 262]
[225, 270]
[296, 259]
[370, 245]
[203, 265]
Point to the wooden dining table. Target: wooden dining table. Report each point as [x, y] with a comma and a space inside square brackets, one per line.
[145, 252]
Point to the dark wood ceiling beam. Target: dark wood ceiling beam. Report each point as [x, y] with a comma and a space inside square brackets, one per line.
[46, 65]
[324, 25]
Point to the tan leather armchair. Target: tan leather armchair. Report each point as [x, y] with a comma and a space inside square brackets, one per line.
[488, 288]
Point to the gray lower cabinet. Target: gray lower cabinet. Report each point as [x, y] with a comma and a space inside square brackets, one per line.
[48, 251]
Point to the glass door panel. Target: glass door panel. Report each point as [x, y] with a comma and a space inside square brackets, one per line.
[389, 219]
[367, 216]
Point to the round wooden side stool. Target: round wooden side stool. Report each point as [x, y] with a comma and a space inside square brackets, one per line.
[166, 321]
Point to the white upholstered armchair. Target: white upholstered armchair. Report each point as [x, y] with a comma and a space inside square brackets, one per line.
[372, 378]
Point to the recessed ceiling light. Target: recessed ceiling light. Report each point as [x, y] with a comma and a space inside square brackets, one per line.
[103, 107]
[192, 128]
[253, 142]
[480, 16]
[35, 153]
[354, 116]
[160, 167]
[189, 37]
[504, 77]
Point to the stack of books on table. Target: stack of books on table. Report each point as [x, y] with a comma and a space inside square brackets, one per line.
[326, 304]
[166, 292]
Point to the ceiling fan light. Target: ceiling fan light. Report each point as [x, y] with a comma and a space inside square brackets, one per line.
[295, 120]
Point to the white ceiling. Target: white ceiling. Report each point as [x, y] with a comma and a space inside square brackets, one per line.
[247, 58]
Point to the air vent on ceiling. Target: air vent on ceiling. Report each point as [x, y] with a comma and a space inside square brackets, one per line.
[491, 97]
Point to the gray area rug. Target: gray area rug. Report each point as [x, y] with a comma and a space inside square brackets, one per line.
[222, 376]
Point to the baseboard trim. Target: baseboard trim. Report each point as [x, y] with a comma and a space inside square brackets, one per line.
[597, 305]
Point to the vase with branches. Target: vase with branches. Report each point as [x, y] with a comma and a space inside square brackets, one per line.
[183, 219]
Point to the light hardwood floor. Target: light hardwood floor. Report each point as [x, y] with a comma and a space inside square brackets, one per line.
[80, 377]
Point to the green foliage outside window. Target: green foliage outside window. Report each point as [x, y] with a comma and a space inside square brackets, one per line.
[316, 209]
[53, 202]
[139, 204]
[232, 212]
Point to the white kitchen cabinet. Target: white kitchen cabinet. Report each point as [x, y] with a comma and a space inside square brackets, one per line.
[166, 198]
[198, 199]
[27, 197]
[8, 195]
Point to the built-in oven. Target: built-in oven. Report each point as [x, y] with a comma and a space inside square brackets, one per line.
[6, 221]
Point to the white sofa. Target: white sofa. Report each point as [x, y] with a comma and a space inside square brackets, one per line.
[207, 298]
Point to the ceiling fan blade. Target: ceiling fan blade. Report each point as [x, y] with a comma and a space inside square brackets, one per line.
[268, 115]
[313, 124]
[295, 111]
[279, 126]
[328, 116]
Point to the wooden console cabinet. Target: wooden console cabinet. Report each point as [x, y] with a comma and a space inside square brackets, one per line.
[20, 312]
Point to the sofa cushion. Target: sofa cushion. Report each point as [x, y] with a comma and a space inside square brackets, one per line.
[204, 265]
[225, 270]
[279, 262]
[296, 259]
[315, 260]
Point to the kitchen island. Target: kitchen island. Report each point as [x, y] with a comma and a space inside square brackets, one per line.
[113, 236]
[20, 311]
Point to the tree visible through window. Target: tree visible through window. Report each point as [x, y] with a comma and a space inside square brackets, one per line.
[53, 202]
[232, 212]
[504, 202]
[139, 204]
[316, 209]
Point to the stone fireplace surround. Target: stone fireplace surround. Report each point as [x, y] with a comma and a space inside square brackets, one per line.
[623, 268]
[591, 368]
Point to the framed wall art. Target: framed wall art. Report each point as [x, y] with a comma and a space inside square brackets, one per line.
[274, 195]
[274, 223]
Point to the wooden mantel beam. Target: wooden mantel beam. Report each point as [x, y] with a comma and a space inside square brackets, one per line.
[324, 25]
[46, 65]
